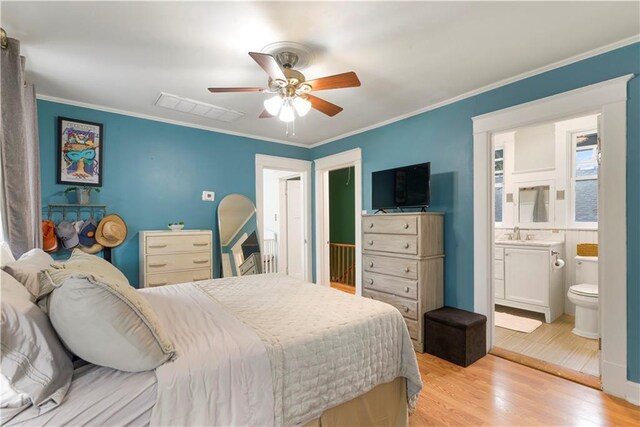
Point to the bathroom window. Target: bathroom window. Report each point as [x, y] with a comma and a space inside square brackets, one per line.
[585, 178]
[498, 168]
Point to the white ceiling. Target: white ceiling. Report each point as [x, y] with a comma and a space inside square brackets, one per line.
[408, 55]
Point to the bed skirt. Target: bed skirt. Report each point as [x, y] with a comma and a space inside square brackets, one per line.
[384, 405]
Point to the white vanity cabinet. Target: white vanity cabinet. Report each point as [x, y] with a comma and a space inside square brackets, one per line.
[524, 277]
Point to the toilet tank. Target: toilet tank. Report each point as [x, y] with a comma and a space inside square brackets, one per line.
[586, 270]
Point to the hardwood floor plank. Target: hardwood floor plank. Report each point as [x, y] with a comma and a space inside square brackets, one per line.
[495, 391]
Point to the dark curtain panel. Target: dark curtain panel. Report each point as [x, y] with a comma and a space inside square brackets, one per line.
[19, 155]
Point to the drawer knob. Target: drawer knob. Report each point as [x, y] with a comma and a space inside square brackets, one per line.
[370, 225]
[406, 289]
[406, 309]
[200, 261]
[157, 246]
[370, 242]
[370, 281]
[406, 246]
[157, 284]
[370, 263]
[406, 225]
[407, 269]
[201, 244]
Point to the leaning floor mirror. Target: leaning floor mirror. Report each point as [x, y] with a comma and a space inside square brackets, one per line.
[238, 231]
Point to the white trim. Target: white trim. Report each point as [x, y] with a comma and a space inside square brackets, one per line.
[323, 166]
[302, 167]
[589, 54]
[633, 393]
[164, 120]
[608, 98]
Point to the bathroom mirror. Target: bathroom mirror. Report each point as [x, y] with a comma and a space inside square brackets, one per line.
[238, 231]
[533, 204]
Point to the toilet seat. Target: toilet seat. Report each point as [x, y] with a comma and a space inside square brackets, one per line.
[585, 290]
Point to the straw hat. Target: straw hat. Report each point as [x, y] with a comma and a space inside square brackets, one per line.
[111, 231]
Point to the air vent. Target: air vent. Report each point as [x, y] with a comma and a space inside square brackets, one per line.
[197, 108]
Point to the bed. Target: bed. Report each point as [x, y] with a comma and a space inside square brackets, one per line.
[256, 350]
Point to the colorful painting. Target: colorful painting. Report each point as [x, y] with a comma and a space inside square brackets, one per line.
[80, 152]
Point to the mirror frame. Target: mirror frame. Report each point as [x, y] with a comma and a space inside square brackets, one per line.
[255, 212]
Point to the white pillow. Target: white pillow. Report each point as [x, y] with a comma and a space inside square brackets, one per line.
[33, 360]
[11, 287]
[107, 323]
[27, 268]
[6, 255]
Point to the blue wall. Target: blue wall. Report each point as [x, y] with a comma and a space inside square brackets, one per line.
[444, 137]
[154, 173]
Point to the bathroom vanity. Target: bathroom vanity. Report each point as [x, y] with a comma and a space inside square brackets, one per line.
[525, 277]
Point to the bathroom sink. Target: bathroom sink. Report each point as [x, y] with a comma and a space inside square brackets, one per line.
[528, 242]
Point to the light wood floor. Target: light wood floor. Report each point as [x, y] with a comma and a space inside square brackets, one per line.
[551, 342]
[497, 392]
[344, 288]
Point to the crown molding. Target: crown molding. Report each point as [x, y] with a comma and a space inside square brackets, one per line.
[164, 120]
[589, 54]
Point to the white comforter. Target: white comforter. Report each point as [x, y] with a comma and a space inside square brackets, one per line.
[325, 347]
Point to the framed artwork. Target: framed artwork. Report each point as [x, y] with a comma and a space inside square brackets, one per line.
[80, 152]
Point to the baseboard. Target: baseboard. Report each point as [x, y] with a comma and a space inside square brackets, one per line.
[633, 393]
[614, 379]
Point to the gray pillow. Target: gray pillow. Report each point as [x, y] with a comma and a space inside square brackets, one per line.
[34, 362]
[107, 323]
[27, 268]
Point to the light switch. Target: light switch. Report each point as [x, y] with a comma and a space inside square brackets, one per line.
[208, 196]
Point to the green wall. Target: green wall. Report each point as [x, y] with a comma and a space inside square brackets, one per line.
[342, 206]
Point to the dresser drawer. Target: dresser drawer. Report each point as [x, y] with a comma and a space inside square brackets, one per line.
[412, 326]
[391, 224]
[391, 285]
[161, 279]
[188, 261]
[184, 243]
[391, 243]
[394, 266]
[249, 264]
[407, 308]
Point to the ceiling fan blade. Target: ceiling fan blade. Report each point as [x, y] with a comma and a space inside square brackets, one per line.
[265, 115]
[269, 64]
[324, 106]
[337, 81]
[235, 89]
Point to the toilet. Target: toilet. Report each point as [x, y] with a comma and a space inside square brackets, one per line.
[584, 294]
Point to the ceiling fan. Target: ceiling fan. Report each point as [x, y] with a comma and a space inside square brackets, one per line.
[290, 88]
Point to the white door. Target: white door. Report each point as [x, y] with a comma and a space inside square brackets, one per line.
[295, 235]
[527, 276]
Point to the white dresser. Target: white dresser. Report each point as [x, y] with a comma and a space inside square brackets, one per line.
[170, 257]
[403, 265]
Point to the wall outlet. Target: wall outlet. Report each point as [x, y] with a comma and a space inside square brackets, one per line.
[208, 196]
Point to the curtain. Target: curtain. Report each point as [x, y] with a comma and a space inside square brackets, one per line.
[20, 202]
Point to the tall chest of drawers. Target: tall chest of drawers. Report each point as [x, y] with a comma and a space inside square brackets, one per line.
[170, 257]
[403, 265]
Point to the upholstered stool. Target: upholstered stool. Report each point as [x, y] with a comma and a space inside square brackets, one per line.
[455, 335]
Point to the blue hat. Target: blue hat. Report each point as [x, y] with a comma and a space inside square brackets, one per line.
[88, 233]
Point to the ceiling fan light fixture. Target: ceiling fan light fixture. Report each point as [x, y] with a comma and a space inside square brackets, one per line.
[287, 114]
[302, 106]
[273, 105]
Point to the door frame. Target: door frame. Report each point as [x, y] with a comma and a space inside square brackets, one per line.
[298, 167]
[323, 166]
[609, 98]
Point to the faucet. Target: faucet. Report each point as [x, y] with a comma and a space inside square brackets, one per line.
[516, 233]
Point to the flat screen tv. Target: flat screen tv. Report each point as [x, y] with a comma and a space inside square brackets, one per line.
[405, 187]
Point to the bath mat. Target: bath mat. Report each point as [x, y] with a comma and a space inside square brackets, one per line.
[516, 323]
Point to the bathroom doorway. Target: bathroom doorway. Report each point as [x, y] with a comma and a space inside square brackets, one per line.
[545, 274]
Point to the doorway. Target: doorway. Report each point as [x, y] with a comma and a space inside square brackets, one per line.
[342, 230]
[545, 260]
[350, 165]
[608, 99]
[283, 206]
